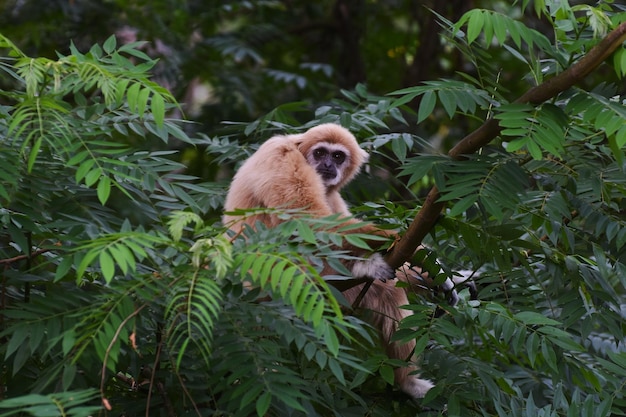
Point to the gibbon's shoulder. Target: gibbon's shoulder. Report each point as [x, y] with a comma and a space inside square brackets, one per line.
[284, 142]
[276, 149]
[272, 157]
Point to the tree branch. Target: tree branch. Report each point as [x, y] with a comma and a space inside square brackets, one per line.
[22, 257]
[427, 217]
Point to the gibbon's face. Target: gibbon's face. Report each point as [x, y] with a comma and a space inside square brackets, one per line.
[329, 161]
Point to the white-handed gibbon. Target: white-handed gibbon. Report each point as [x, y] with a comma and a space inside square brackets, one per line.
[306, 171]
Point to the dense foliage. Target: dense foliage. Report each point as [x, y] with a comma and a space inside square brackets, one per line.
[121, 294]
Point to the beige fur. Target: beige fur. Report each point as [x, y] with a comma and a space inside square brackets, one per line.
[279, 176]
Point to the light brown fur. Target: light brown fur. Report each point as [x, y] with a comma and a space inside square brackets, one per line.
[279, 176]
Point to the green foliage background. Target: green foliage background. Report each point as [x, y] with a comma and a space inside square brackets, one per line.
[122, 295]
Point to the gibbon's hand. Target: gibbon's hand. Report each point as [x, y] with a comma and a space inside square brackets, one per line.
[462, 279]
[373, 267]
[449, 290]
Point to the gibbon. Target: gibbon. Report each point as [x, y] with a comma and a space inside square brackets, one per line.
[306, 171]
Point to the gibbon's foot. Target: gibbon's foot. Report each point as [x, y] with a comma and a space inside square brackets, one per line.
[416, 387]
[373, 267]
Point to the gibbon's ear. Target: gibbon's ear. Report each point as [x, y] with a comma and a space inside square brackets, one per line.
[334, 134]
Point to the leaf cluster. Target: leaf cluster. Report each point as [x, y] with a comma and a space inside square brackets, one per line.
[122, 293]
[119, 294]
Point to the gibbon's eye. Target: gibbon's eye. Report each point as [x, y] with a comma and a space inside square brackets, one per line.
[339, 157]
[319, 153]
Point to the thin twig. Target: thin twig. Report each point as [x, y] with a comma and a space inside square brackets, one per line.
[24, 257]
[111, 343]
[168, 405]
[359, 297]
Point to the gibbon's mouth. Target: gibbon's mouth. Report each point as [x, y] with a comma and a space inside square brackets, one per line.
[328, 175]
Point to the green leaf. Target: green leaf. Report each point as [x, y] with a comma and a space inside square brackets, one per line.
[336, 370]
[356, 241]
[499, 28]
[306, 233]
[474, 25]
[68, 342]
[449, 102]
[63, 268]
[331, 341]
[84, 169]
[426, 107]
[18, 338]
[263, 403]
[142, 100]
[34, 152]
[534, 150]
[20, 358]
[78, 158]
[532, 346]
[620, 138]
[120, 89]
[157, 107]
[104, 189]
[107, 265]
[132, 96]
[386, 372]
[530, 318]
[110, 44]
[122, 255]
[69, 373]
[399, 148]
[561, 338]
[463, 204]
[93, 176]
[30, 399]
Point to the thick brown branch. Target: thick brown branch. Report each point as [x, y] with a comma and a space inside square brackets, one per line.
[425, 219]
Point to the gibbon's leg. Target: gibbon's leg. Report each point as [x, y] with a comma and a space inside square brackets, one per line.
[382, 301]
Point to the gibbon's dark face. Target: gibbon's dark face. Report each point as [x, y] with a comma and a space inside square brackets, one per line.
[329, 161]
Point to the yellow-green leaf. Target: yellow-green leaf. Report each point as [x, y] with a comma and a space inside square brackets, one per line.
[104, 189]
[107, 265]
[158, 109]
